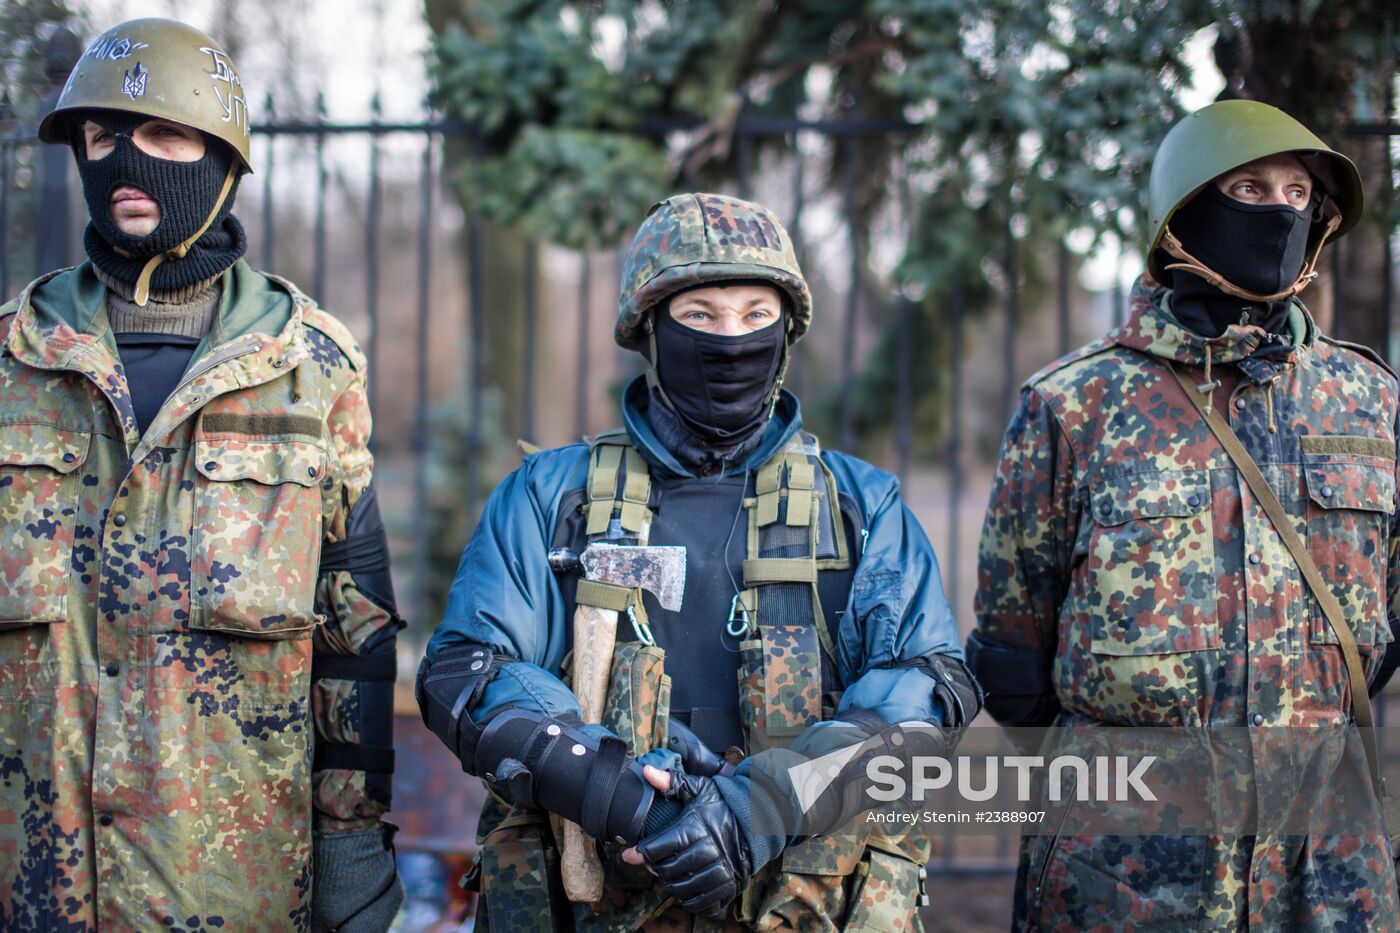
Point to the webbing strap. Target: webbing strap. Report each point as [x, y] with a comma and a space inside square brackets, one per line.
[760, 571]
[605, 468]
[768, 486]
[801, 480]
[603, 595]
[1283, 524]
[602, 483]
[361, 667]
[635, 490]
[780, 571]
[601, 785]
[348, 756]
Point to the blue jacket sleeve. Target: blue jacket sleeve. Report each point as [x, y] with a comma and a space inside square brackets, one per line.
[506, 597]
[896, 613]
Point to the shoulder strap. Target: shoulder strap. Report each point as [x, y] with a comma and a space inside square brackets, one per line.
[1360, 699]
[619, 486]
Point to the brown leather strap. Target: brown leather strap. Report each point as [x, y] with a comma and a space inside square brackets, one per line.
[1327, 211]
[1264, 493]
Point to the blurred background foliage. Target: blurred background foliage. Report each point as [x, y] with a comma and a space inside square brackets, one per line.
[1030, 121]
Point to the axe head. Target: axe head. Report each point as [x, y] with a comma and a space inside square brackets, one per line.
[658, 570]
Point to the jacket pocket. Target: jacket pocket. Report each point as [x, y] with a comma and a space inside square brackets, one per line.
[1348, 521]
[256, 541]
[39, 492]
[1151, 565]
[886, 895]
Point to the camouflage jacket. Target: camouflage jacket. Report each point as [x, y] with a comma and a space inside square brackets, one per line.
[158, 599]
[1124, 554]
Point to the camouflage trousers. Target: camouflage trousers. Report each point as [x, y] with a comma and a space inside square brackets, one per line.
[821, 885]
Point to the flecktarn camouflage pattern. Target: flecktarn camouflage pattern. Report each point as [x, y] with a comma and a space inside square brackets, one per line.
[1121, 540]
[159, 608]
[698, 239]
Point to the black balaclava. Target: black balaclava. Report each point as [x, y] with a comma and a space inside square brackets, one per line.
[185, 192]
[720, 387]
[1258, 247]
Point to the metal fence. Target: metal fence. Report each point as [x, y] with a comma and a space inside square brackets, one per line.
[33, 181]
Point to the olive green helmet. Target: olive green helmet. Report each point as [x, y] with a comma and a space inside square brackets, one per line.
[1231, 133]
[158, 68]
[706, 239]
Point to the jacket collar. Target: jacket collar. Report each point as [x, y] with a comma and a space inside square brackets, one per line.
[786, 421]
[61, 324]
[1151, 329]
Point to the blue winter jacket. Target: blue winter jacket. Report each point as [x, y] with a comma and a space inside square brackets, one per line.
[506, 596]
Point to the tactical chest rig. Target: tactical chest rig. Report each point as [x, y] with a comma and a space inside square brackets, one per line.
[794, 532]
[795, 548]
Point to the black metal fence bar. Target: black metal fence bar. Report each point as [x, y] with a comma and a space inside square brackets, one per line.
[850, 179]
[476, 343]
[585, 284]
[269, 225]
[530, 337]
[421, 542]
[1011, 269]
[318, 274]
[1064, 269]
[372, 210]
[6, 193]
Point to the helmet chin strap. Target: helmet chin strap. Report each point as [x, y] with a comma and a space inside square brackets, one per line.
[142, 292]
[1191, 264]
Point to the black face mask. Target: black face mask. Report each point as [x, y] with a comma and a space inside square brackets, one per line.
[185, 192]
[719, 386]
[1258, 247]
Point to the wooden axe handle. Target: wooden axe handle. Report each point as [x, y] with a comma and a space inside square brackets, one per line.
[595, 635]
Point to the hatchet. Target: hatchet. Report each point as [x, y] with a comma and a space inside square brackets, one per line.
[660, 571]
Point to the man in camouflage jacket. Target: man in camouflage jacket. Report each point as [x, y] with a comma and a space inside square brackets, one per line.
[193, 585]
[1128, 577]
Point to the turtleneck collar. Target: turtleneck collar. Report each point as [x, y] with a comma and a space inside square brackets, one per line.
[1205, 310]
[701, 457]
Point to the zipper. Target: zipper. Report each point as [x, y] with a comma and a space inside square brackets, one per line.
[242, 347]
[231, 352]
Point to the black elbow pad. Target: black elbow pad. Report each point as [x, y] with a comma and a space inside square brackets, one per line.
[364, 552]
[534, 760]
[1019, 689]
[448, 688]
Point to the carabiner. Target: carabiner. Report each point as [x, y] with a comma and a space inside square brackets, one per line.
[737, 613]
[642, 630]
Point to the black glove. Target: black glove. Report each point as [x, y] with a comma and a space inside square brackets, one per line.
[702, 859]
[355, 884]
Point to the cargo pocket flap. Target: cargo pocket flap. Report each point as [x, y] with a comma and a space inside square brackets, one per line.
[43, 445]
[1364, 486]
[1151, 495]
[266, 462]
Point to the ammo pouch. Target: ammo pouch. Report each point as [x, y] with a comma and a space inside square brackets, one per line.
[850, 882]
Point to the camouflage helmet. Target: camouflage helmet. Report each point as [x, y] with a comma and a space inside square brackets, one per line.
[1227, 134]
[158, 68]
[701, 239]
